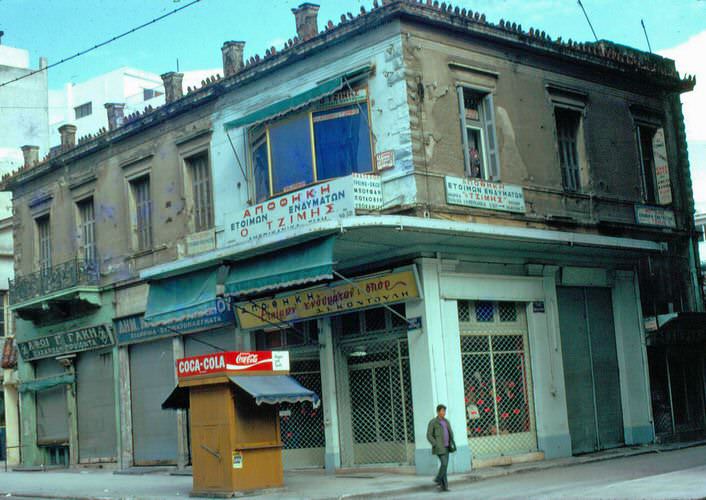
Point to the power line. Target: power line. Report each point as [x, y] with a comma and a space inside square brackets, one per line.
[117, 37]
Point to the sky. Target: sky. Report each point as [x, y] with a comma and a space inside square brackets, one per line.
[59, 28]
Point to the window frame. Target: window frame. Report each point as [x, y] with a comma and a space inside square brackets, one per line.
[190, 165]
[653, 199]
[261, 131]
[486, 128]
[86, 109]
[577, 146]
[143, 239]
[43, 242]
[88, 250]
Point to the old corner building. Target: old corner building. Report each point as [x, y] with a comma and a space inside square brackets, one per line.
[423, 208]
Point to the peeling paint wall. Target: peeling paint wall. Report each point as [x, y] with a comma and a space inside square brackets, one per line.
[105, 175]
[525, 125]
[382, 50]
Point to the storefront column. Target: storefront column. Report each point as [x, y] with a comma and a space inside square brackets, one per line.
[435, 361]
[72, 408]
[182, 420]
[31, 454]
[632, 360]
[332, 458]
[125, 451]
[12, 422]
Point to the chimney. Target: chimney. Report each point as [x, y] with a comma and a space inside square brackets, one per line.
[172, 86]
[116, 114]
[232, 57]
[68, 136]
[31, 155]
[305, 16]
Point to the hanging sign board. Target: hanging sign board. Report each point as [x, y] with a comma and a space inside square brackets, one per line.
[233, 361]
[664, 187]
[83, 339]
[478, 193]
[336, 298]
[655, 216]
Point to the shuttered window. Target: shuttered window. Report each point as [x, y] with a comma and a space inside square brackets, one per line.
[44, 242]
[87, 222]
[480, 152]
[567, 130]
[201, 191]
[143, 212]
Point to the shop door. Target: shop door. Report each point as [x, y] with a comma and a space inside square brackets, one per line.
[52, 410]
[97, 435]
[375, 408]
[590, 368]
[497, 378]
[154, 431]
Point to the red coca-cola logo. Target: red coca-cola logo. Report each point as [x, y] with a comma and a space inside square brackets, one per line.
[246, 358]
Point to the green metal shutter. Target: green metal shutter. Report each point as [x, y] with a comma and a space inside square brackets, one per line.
[577, 369]
[152, 379]
[97, 435]
[609, 408]
[52, 410]
[590, 368]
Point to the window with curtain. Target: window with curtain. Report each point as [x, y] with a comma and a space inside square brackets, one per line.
[330, 139]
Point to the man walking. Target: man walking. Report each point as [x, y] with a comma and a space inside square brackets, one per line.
[441, 438]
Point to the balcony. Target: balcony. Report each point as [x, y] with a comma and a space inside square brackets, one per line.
[61, 290]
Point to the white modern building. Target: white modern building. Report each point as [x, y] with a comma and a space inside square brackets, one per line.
[83, 104]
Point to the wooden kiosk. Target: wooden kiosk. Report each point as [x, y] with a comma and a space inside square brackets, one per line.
[234, 419]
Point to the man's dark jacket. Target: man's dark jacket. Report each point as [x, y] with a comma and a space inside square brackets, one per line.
[435, 436]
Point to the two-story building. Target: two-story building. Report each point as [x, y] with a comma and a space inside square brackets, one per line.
[422, 206]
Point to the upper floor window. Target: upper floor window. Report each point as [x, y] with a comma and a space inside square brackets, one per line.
[654, 169]
[142, 212]
[568, 124]
[478, 127]
[331, 139]
[201, 190]
[148, 94]
[43, 242]
[83, 110]
[87, 229]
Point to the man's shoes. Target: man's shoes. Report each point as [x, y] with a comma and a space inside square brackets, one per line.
[437, 481]
[445, 490]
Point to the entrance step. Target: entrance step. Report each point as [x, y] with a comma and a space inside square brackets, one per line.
[479, 463]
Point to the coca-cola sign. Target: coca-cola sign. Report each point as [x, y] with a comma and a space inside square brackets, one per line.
[233, 361]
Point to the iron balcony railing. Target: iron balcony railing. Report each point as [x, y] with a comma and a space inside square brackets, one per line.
[53, 279]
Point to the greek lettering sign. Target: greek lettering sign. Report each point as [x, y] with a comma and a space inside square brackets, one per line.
[83, 339]
[337, 298]
[655, 216]
[331, 200]
[367, 192]
[478, 193]
[134, 329]
[664, 187]
[385, 160]
[233, 361]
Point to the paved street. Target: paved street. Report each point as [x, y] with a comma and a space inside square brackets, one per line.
[678, 474]
[674, 474]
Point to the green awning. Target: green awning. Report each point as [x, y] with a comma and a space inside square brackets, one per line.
[304, 263]
[285, 106]
[42, 384]
[181, 298]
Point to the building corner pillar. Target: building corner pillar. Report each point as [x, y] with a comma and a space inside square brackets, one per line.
[332, 457]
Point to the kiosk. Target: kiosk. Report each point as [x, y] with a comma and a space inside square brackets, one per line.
[234, 419]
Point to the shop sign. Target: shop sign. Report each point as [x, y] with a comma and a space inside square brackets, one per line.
[135, 329]
[385, 160]
[336, 298]
[329, 201]
[651, 324]
[83, 339]
[664, 186]
[478, 193]
[233, 361]
[655, 216]
[200, 242]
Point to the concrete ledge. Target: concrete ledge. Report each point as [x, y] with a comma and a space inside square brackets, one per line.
[481, 463]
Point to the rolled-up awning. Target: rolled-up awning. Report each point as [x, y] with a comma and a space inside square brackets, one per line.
[181, 298]
[305, 263]
[42, 384]
[267, 389]
[287, 105]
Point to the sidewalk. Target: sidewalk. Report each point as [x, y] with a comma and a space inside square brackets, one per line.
[362, 483]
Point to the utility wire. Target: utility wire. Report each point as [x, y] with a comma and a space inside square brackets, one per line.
[117, 37]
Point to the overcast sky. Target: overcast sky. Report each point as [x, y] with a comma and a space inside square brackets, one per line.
[59, 28]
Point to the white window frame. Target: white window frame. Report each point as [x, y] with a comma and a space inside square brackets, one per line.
[490, 166]
[88, 250]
